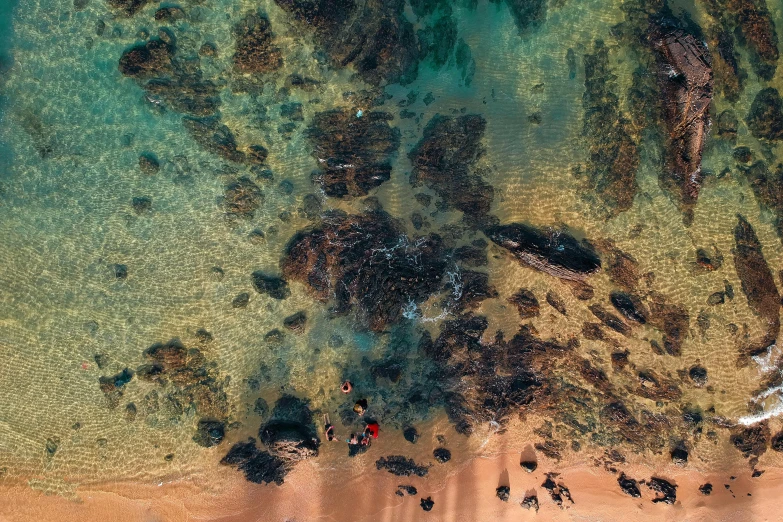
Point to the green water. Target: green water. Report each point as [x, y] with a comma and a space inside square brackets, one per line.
[72, 131]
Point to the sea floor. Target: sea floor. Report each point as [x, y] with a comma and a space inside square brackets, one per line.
[130, 241]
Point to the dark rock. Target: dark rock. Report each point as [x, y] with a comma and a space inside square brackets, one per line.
[758, 285]
[292, 111]
[209, 433]
[716, 298]
[400, 466]
[273, 286]
[609, 319]
[777, 442]
[556, 302]
[471, 255]
[752, 440]
[526, 303]
[554, 252]
[354, 154]
[427, 504]
[120, 271]
[685, 79]
[208, 49]
[614, 157]
[529, 465]
[141, 204]
[115, 382]
[467, 290]
[629, 486]
[742, 154]
[528, 14]
[674, 321]
[679, 456]
[365, 262]
[151, 59]
[255, 50]
[241, 300]
[242, 198]
[374, 37]
[391, 369]
[442, 455]
[215, 137]
[290, 434]
[52, 443]
[311, 206]
[705, 489]
[130, 412]
[148, 164]
[656, 387]
[217, 273]
[755, 28]
[503, 493]
[708, 262]
[630, 306]
[768, 189]
[296, 322]
[274, 336]
[557, 491]
[410, 490]
[411, 434]
[667, 490]
[128, 7]
[620, 360]
[445, 159]
[765, 119]
[530, 502]
[258, 466]
[101, 360]
[261, 408]
[727, 125]
[169, 14]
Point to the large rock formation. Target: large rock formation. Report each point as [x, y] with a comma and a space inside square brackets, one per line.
[555, 252]
[685, 80]
[365, 261]
[758, 285]
[354, 153]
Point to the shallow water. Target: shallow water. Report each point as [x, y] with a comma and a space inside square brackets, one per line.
[72, 130]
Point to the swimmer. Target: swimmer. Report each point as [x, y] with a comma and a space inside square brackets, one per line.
[329, 429]
[360, 407]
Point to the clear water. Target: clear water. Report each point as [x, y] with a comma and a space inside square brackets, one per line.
[66, 219]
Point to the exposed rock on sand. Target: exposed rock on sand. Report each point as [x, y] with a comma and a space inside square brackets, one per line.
[667, 490]
[554, 252]
[758, 285]
[401, 466]
[354, 154]
[685, 80]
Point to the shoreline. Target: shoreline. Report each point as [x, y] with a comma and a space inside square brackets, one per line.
[467, 493]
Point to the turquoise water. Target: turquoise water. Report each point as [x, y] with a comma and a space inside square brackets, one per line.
[73, 129]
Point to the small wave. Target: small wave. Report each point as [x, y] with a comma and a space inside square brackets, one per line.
[767, 363]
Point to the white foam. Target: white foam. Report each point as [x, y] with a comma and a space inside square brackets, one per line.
[766, 364]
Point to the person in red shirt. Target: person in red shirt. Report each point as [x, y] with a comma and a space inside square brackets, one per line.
[372, 429]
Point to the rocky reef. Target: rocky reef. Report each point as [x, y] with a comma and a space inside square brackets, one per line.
[614, 157]
[365, 261]
[255, 50]
[445, 159]
[354, 153]
[373, 37]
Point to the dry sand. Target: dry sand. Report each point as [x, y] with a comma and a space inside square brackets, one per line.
[368, 495]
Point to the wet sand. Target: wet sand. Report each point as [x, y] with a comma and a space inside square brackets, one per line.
[467, 495]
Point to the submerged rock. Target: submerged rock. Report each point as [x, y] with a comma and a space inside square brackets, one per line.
[667, 490]
[630, 306]
[751, 441]
[365, 262]
[400, 466]
[242, 198]
[216, 138]
[614, 157]
[526, 303]
[758, 285]
[128, 7]
[768, 189]
[148, 60]
[255, 51]
[609, 319]
[270, 285]
[685, 79]
[556, 302]
[445, 159]
[528, 14]
[374, 37]
[554, 252]
[209, 433]
[296, 322]
[354, 154]
[765, 119]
